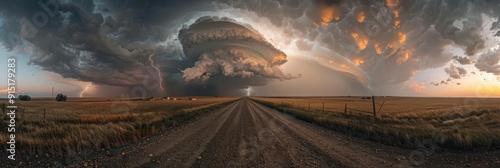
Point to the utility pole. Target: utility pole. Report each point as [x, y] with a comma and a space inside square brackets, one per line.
[374, 110]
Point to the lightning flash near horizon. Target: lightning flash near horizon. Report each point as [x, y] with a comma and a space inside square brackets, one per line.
[157, 70]
[84, 90]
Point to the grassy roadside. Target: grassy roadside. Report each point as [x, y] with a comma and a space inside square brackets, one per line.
[67, 132]
[475, 130]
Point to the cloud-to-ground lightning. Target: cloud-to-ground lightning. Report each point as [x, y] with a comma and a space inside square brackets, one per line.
[84, 90]
[158, 70]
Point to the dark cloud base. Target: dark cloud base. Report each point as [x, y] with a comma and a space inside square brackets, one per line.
[108, 42]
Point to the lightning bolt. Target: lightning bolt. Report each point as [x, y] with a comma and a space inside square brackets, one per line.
[158, 70]
[84, 90]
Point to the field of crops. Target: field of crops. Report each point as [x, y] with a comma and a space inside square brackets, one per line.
[45, 126]
[453, 123]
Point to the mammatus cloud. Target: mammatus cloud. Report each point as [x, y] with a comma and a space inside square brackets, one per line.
[222, 47]
[395, 39]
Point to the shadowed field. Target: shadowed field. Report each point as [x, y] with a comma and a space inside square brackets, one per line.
[453, 123]
[66, 128]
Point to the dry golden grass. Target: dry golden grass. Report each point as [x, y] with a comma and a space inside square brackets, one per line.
[454, 123]
[97, 123]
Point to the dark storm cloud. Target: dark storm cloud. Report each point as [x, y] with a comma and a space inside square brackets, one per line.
[410, 35]
[222, 47]
[71, 43]
[108, 42]
[103, 42]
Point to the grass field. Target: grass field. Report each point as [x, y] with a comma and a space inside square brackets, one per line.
[79, 124]
[451, 123]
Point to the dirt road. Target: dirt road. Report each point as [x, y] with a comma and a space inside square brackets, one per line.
[248, 134]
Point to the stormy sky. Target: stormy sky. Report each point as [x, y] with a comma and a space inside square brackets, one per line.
[99, 48]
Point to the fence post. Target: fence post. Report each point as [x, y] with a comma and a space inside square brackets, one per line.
[323, 107]
[3, 108]
[44, 114]
[345, 108]
[374, 110]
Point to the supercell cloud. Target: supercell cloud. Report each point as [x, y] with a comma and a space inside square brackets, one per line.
[223, 46]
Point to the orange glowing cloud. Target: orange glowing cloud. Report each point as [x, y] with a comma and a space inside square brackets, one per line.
[3, 91]
[328, 13]
[397, 22]
[279, 58]
[395, 13]
[405, 55]
[361, 16]
[378, 48]
[401, 37]
[358, 61]
[399, 40]
[391, 3]
[361, 40]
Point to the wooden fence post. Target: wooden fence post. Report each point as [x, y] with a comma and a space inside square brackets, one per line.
[374, 110]
[323, 107]
[345, 108]
[44, 114]
[3, 108]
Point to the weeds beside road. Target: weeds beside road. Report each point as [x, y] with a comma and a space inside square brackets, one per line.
[70, 127]
[463, 129]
